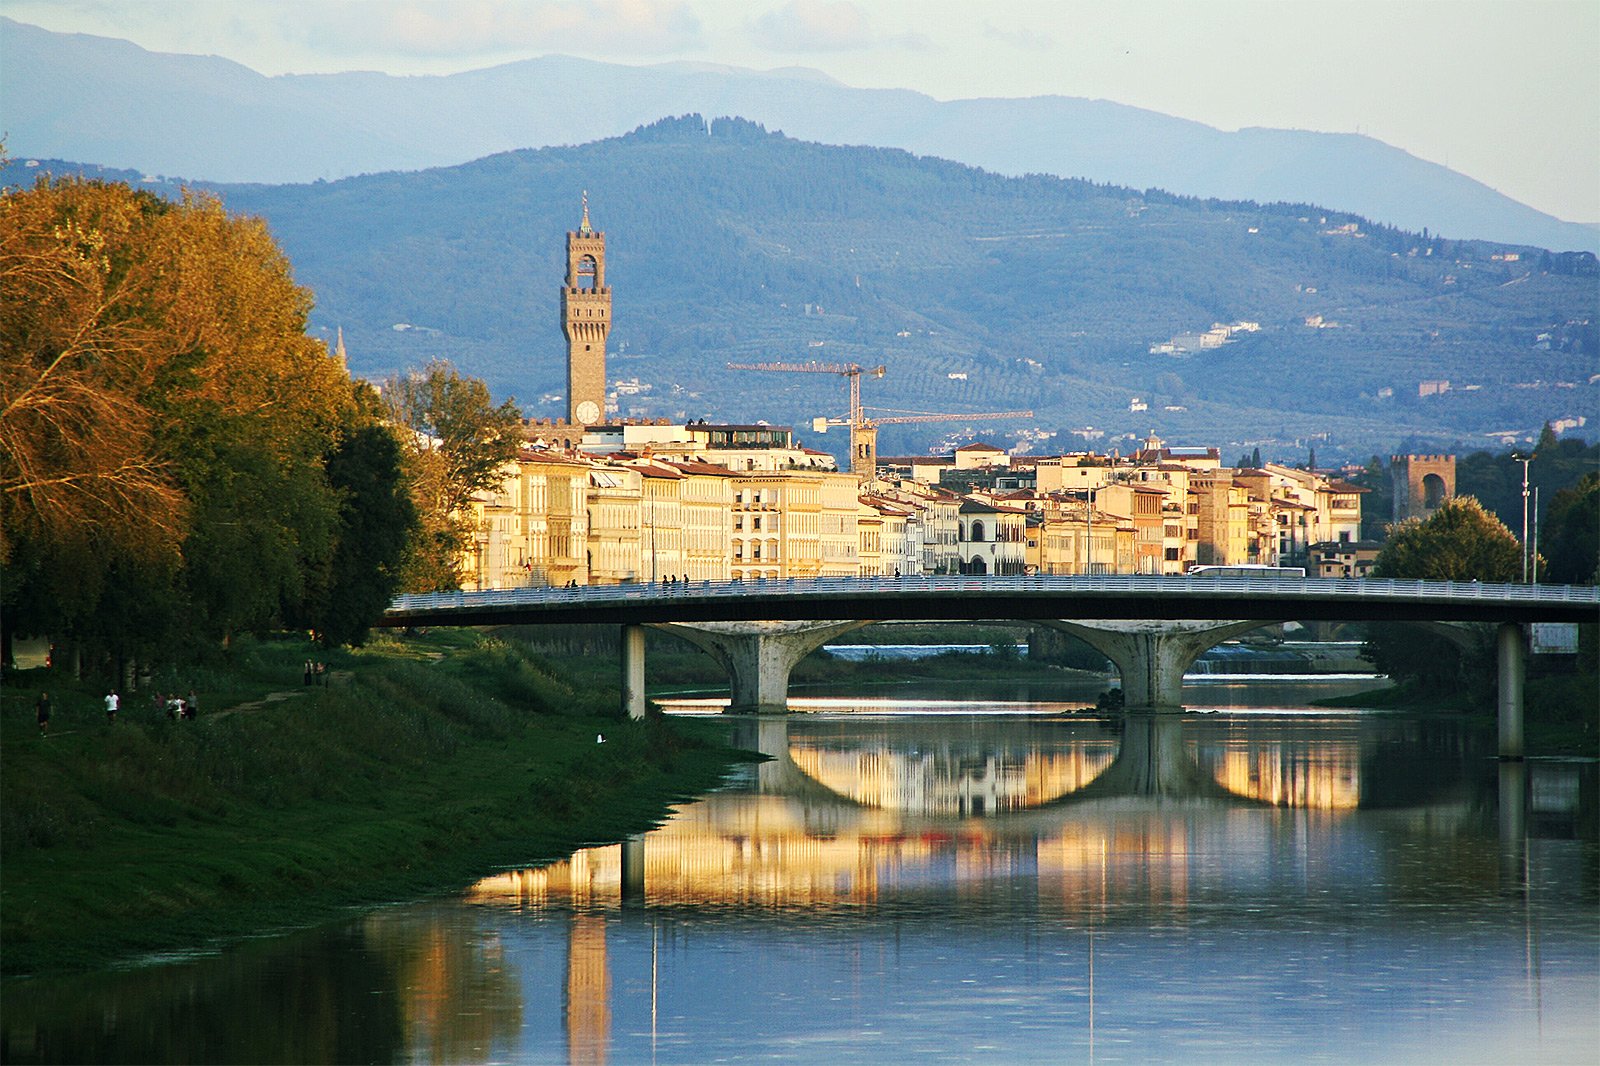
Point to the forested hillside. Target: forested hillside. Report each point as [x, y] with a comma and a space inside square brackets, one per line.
[730, 243]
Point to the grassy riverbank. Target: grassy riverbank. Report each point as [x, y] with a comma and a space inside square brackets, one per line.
[422, 765]
[1560, 718]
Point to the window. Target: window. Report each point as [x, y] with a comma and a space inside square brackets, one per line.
[977, 532]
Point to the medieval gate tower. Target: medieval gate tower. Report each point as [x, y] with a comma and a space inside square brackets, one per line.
[1421, 484]
[586, 320]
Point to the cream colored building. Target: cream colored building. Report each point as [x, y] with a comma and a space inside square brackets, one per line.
[615, 518]
[839, 539]
[776, 520]
[705, 504]
[530, 529]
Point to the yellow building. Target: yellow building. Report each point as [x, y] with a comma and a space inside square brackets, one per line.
[1068, 528]
[838, 537]
[614, 507]
[530, 529]
[1223, 519]
[776, 523]
[705, 504]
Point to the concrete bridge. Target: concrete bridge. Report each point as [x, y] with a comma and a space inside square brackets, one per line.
[1152, 628]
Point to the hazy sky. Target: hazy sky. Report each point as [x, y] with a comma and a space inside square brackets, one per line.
[1506, 91]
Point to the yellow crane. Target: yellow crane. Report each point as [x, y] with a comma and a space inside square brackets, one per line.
[864, 430]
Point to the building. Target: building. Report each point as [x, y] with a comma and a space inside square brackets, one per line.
[586, 322]
[991, 539]
[1421, 484]
[1347, 558]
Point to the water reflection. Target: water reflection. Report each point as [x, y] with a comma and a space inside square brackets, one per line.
[1265, 885]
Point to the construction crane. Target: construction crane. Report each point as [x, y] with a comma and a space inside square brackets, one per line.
[864, 434]
[864, 430]
[853, 371]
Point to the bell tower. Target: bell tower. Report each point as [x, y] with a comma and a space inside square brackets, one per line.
[586, 320]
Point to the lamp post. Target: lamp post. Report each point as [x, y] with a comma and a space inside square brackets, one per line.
[1524, 459]
[1088, 548]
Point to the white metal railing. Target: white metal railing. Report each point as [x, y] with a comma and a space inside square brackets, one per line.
[1186, 587]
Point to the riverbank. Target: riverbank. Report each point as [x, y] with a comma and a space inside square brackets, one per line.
[1559, 720]
[425, 763]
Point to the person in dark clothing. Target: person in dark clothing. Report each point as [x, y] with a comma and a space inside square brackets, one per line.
[43, 710]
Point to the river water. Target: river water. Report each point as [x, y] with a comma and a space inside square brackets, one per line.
[982, 877]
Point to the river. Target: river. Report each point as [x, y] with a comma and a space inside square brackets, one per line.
[973, 876]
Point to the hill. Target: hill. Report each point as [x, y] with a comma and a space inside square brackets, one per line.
[979, 292]
[75, 96]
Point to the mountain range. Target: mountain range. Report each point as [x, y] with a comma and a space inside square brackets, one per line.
[1107, 311]
[80, 97]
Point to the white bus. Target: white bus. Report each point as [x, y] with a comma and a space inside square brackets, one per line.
[1247, 570]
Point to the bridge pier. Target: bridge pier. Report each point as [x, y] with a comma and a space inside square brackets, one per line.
[1152, 656]
[1509, 656]
[633, 671]
[759, 656]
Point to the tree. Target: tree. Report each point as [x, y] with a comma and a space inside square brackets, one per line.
[377, 522]
[458, 443]
[164, 423]
[1572, 534]
[1458, 542]
[80, 353]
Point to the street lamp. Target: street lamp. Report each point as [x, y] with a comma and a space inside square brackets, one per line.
[1524, 459]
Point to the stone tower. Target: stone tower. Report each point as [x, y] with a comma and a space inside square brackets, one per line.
[586, 320]
[1421, 483]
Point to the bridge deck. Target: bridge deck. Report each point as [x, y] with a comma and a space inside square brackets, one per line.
[962, 598]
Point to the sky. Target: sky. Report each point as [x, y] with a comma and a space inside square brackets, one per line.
[1505, 91]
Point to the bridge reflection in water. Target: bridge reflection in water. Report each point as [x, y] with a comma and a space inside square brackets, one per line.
[1207, 887]
[843, 806]
[1124, 823]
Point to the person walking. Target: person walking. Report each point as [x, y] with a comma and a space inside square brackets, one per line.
[42, 708]
[113, 701]
[191, 706]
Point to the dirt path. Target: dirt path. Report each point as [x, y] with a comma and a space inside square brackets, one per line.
[335, 677]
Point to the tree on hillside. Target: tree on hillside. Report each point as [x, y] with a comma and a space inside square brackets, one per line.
[1458, 542]
[1572, 534]
[457, 442]
[1378, 505]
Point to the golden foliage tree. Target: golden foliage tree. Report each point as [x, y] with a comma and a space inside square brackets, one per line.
[165, 422]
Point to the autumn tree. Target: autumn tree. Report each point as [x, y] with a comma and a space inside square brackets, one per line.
[165, 423]
[458, 443]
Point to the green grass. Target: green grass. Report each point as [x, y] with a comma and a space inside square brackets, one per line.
[427, 764]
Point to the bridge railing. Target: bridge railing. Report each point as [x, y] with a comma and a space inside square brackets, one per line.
[1367, 589]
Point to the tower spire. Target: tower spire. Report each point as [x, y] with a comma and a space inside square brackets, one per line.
[584, 226]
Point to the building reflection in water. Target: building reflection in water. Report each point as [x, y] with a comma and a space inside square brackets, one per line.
[458, 996]
[844, 809]
[859, 850]
[1313, 771]
[588, 991]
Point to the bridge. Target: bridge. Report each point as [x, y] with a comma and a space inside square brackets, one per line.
[1151, 627]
